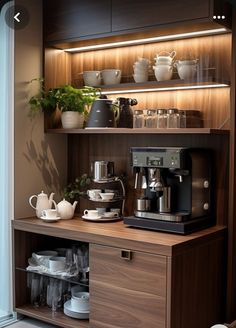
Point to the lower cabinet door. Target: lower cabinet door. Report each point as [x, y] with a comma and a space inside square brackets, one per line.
[127, 288]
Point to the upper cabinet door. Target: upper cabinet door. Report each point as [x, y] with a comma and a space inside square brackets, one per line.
[74, 19]
[129, 14]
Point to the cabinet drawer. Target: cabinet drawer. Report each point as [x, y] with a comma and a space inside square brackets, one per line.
[127, 292]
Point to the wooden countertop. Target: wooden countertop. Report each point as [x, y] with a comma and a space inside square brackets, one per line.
[119, 235]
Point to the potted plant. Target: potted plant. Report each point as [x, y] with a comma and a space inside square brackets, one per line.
[73, 103]
[77, 188]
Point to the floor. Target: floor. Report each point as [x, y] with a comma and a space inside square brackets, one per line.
[30, 323]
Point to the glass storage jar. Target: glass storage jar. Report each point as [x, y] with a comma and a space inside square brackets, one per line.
[161, 119]
[138, 119]
[172, 118]
[182, 119]
[151, 119]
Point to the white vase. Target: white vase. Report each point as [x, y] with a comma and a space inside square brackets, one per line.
[72, 120]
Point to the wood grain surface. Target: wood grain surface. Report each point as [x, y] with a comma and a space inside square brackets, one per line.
[127, 294]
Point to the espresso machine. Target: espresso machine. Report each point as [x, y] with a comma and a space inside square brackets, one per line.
[173, 189]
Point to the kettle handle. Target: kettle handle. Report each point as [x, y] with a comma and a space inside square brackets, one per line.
[116, 110]
[30, 201]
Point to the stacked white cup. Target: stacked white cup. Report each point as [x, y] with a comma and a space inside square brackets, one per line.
[141, 67]
[163, 68]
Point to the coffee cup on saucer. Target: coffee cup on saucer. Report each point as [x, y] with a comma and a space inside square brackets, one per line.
[91, 213]
[94, 193]
[110, 215]
[49, 214]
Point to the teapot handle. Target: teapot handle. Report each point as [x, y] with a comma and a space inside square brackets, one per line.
[55, 204]
[30, 201]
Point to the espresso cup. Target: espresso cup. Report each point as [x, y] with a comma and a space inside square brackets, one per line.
[91, 213]
[92, 78]
[80, 301]
[49, 214]
[111, 76]
[107, 195]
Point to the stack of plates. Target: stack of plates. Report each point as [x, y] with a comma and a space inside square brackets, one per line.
[74, 314]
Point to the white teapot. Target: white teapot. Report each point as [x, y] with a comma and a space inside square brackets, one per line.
[42, 202]
[66, 210]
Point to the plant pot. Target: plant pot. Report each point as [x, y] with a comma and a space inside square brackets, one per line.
[72, 120]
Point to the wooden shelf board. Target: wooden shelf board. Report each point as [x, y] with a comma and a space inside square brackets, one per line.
[172, 84]
[45, 314]
[115, 234]
[138, 131]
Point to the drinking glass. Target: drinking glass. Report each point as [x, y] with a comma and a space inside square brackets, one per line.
[83, 262]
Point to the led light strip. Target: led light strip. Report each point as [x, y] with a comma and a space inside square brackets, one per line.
[113, 92]
[146, 40]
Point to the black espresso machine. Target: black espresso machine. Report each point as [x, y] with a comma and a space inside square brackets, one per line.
[172, 188]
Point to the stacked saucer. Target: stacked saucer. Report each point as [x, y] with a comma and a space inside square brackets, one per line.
[78, 306]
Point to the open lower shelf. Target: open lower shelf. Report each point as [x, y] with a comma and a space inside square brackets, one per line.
[138, 131]
[72, 280]
[45, 314]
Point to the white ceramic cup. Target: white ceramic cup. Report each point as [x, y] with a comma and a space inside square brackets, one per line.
[78, 289]
[111, 76]
[80, 301]
[57, 263]
[110, 214]
[92, 78]
[115, 210]
[91, 213]
[94, 193]
[101, 210]
[187, 71]
[107, 195]
[140, 77]
[49, 214]
[163, 72]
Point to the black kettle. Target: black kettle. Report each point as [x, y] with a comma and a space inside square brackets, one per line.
[126, 112]
[103, 114]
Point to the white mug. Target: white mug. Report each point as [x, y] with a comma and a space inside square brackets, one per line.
[111, 76]
[163, 72]
[57, 263]
[92, 78]
[91, 213]
[49, 214]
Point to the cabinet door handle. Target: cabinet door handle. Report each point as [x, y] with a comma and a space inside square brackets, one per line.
[126, 255]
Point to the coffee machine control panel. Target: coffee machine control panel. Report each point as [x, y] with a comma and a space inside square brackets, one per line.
[157, 157]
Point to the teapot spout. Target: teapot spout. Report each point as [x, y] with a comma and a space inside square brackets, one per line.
[74, 204]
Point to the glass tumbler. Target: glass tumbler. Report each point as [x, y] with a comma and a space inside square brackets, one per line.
[161, 119]
[138, 119]
[172, 118]
[182, 118]
[151, 119]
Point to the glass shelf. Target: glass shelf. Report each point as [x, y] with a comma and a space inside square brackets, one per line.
[72, 280]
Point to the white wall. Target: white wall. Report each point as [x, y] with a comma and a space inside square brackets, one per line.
[40, 159]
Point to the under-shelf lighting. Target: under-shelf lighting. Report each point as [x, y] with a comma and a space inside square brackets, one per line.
[147, 40]
[203, 86]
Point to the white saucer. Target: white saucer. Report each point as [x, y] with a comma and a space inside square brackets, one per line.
[50, 220]
[89, 218]
[101, 218]
[74, 314]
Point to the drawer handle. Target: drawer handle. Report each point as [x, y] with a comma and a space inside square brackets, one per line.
[126, 255]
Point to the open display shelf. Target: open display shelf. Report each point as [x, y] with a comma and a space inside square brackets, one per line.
[72, 280]
[138, 131]
[45, 314]
[168, 85]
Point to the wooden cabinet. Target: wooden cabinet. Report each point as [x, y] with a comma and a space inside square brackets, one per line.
[132, 285]
[72, 19]
[129, 15]
[137, 278]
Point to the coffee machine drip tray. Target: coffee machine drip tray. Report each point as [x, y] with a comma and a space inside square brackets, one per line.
[173, 217]
[182, 228]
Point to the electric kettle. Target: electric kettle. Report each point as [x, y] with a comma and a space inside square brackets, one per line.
[103, 114]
